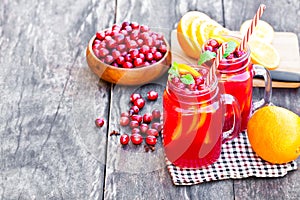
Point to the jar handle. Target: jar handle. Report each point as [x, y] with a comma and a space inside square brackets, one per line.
[261, 71]
[235, 130]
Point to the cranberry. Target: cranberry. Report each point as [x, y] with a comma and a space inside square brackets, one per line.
[147, 118]
[199, 80]
[132, 44]
[99, 122]
[134, 25]
[97, 53]
[146, 63]
[115, 54]
[239, 53]
[139, 103]
[114, 64]
[134, 53]
[109, 59]
[127, 64]
[159, 36]
[163, 48]
[141, 56]
[144, 28]
[134, 34]
[138, 62]
[144, 49]
[156, 114]
[230, 56]
[128, 28]
[128, 58]
[152, 95]
[213, 43]
[120, 60]
[140, 42]
[108, 37]
[180, 85]
[153, 50]
[119, 38]
[175, 80]
[116, 27]
[135, 130]
[135, 109]
[135, 96]
[124, 139]
[137, 118]
[124, 24]
[153, 61]
[100, 35]
[208, 48]
[134, 124]
[153, 132]
[192, 87]
[151, 140]
[124, 121]
[144, 127]
[149, 56]
[103, 52]
[111, 44]
[121, 47]
[124, 114]
[124, 32]
[136, 138]
[149, 41]
[157, 126]
[108, 32]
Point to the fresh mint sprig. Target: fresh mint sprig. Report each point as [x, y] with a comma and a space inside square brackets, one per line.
[206, 56]
[231, 45]
[187, 79]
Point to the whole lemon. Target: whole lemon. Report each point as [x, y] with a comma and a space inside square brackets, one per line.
[274, 134]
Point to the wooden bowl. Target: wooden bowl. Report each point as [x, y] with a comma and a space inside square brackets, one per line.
[123, 76]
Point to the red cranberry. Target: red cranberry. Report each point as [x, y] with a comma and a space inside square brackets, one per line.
[149, 56]
[156, 114]
[208, 48]
[100, 35]
[128, 28]
[144, 28]
[138, 62]
[135, 130]
[109, 59]
[153, 50]
[99, 122]
[139, 103]
[134, 34]
[147, 118]
[199, 80]
[144, 35]
[175, 80]
[192, 87]
[119, 38]
[163, 48]
[127, 64]
[132, 44]
[239, 53]
[134, 53]
[144, 127]
[114, 64]
[153, 132]
[107, 38]
[144, 49]
[124, 24]
[103, 52]
[159, 36]
[135, 109]
[134, 25]
[136, 138]
[135, 96]
[157, 126]
[120, 60]
[213, 43]
[137, 118]
[151, 140]
[121, 47]
[152, 95]
[111, 44]
[230, 56]
[97, 53]
[134, 124]
[124, 114]
[124, 139]
[128, 58]
[115, 54]
[146, 63]
[141, 56]
[116, 27]
[124, 121]
[149, 41]
[108, 32]
[180, 85]
[140, 42]
[124, 32]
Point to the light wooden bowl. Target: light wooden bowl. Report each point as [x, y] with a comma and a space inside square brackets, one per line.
[123, 76]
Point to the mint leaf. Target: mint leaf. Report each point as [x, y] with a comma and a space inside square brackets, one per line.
[206, 56]
[187, 79]
[231, 45]
[174, 70]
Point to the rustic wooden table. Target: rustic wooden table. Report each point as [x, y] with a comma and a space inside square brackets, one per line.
[50, 148]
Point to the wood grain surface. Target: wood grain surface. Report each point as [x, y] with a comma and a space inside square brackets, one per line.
[50, 147]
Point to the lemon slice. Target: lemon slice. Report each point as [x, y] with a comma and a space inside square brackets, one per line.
[206, 30]
[264, 54]
[184, 33]
[263, 31]
[185, 69]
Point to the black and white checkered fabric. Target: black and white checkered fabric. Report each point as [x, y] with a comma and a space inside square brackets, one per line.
[237, 161]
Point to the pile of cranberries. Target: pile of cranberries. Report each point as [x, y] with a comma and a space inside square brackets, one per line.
[129, 45]
[142, 126]
[213, 45]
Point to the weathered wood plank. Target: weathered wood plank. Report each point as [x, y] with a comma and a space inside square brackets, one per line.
[131, 173]
[45, 152]
[282, 16]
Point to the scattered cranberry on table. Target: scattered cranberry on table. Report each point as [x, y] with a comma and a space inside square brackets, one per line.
[124, 139]
[147, 118]
[99, 122]
[152, 95]
[136, 139]
[139, 103]
[151, 140]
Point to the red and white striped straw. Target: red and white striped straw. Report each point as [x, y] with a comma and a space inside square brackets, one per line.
[216, 63]
[254, 22]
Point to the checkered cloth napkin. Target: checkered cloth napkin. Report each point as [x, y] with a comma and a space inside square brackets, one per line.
[237, 160]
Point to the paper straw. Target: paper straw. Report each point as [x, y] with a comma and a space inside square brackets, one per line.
[254, 22]
[214, 67]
